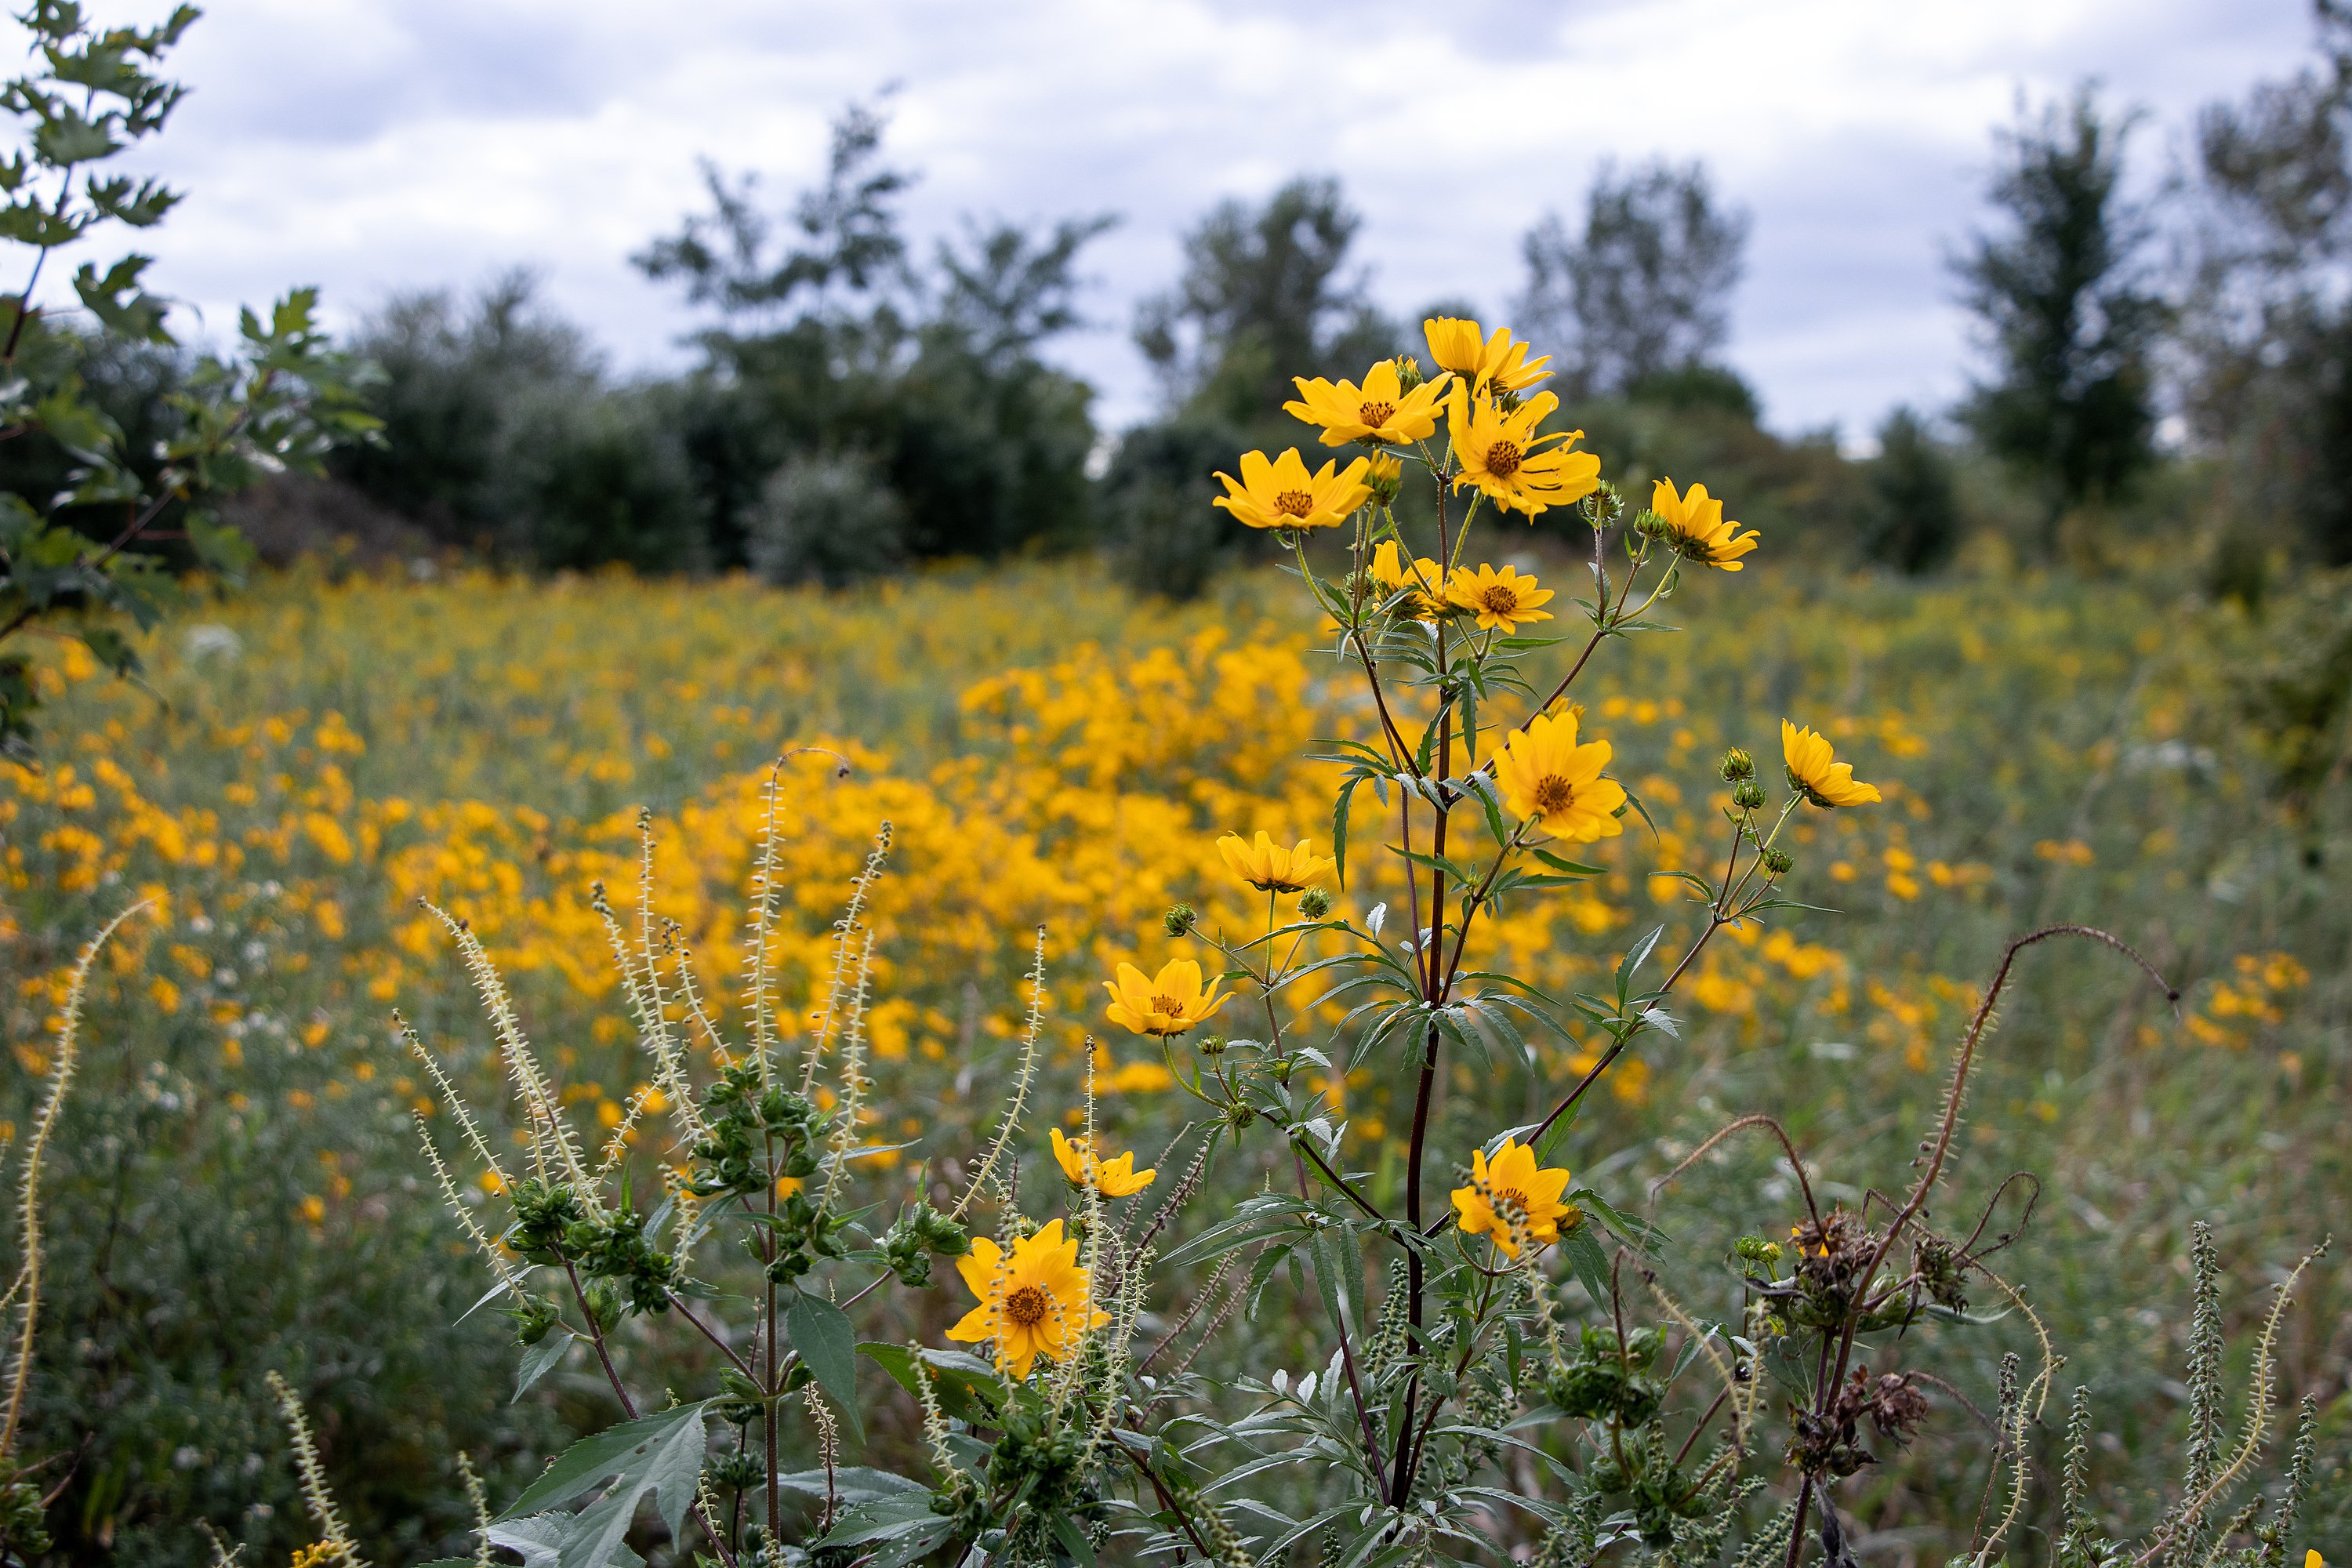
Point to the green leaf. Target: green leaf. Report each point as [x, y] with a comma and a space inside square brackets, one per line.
[658, 1455]
[821, 1333]
[1588, 1263]
[884, 1518]
[538, 1360]
[1073, 1540]
[853, 1484]
[966, 1386]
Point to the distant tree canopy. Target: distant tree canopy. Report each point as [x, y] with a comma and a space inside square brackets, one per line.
[2268, 328]
[1642, 292]
[2070, 313]
[829, 341]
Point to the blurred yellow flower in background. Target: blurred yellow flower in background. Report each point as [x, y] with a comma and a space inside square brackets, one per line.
[1268, 866]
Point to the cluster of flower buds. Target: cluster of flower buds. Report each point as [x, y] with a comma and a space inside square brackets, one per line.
[757, 1135]
[912, 1239]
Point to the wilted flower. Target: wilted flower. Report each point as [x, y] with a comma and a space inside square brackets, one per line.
[1814, 772]
[1283, 494]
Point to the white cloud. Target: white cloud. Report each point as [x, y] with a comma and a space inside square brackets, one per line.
[369, 145]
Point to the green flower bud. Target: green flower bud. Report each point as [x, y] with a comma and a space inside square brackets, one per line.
[1180, 920]
[1314, 903]
[1211, 1045]
[1738, 766]
[1777, 862]
[1748, 796]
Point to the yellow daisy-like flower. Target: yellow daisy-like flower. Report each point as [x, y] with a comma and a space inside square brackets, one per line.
[1503, 600]
[1486, 363]
[1380, 411]
[1425, 577]
[1814, 772]
[1033, 1303]
[1502, 455]
[1283, 494]
[1115, 1178]
[1544, 773]
[1166, 1004]
[1513, 1183]
[1695, 526]
[1268, 866]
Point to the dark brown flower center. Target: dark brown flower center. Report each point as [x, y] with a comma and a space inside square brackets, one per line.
[1510, 1200]
[1027, 1306]
[1375, 414]
[1293, 503]
[1503, 460]
[1499, 599]
[1554, 795]
[1168, 1005]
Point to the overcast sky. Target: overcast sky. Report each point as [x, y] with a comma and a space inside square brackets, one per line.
[375, 145]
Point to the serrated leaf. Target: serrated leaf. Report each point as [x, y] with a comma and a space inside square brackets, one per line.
[828, 1346]
[658, 1455]
[538, 1360]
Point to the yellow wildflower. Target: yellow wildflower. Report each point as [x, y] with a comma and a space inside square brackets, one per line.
[1518, 469]
[1484, 362]
[1380, 411]
[1503, 600]
[1034, 1303]
[1167, 1004]
[1268, 866]
[1694, 523]
[1283, 494]
[1544, 773]
[1512, 1184]
[1425, 577]
[1814, 772]
[1115, 1178]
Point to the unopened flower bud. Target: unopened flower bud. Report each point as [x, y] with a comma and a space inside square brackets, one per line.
[1180, 920]
[1748, 796]
[1604, 506]
[1737, 765]
[1314, 903]
[1211, 1045]
[1386, 476]
[1650, 525]
[1408, 373]
[1777, 862]
[1282, 1068]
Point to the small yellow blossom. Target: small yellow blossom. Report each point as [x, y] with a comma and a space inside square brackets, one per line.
[1484, 362]
[1380, 411]
[1268, 866]
[1544, 773]
[1033, 1303]
[1512, 1184]
[1169, 1003]
[1283, 494]
[1501, 455]
[1503, 600]
[1813, 771]
[1694, 522]
[1115, 1178]
[1425, 577]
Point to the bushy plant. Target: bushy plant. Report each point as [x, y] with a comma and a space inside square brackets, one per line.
[1518, 1378]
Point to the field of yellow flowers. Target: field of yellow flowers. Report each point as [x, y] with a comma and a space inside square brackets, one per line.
[314, 758]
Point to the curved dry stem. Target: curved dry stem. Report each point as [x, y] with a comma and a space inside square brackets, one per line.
[1756, 1119]
[26, 1289]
